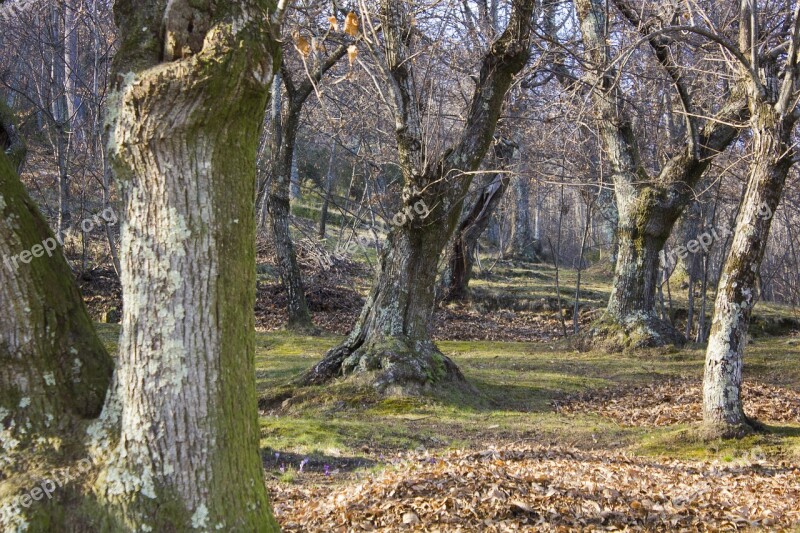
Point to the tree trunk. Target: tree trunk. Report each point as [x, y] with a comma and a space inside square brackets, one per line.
[465, 243]
[60, 114]
[773, 115]
[184, 130]
[723, 413]
[285, 136]
[54, 371]
[648, 207]
[631, 311]
[390, 345]
[523, 244]
[323, 213]
[391, 336]
[283, 159]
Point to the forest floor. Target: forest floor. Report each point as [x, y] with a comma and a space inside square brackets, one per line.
[557, 439]
[560, 438]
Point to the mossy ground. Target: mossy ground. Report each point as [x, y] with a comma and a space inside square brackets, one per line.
[518, 383]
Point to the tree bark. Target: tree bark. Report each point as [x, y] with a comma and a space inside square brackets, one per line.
[54, 371]
[284, 141]
[279, 211]
[774, 113]
[723, 413]
[193, 83]
[390, 344]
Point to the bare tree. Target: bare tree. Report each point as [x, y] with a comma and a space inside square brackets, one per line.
[391, 340]
[283, 139]
[648, 206]
[770, 78]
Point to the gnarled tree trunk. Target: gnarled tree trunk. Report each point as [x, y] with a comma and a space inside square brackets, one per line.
[648, 207]
[185, 122]
[390, 344]
[54, 371]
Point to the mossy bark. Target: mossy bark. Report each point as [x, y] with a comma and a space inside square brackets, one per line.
[774, 113]
[391, 341]
[648, 207]
[54, 371]
[183, 133]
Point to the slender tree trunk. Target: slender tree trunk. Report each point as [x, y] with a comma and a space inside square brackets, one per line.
[522, 244]
[60, 113]
[323, 215]
[723, 413]
[184, 131]
[283, 143]
[279, 210]
[584, 239]
[54, 371]
[774, 113]
[72, 67]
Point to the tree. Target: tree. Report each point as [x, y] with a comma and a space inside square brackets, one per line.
[283, 140]
[55, 371]
[391, 343]
[193, 80]
[648, 206]
[523, 243]
[772, 101]
[465, 242]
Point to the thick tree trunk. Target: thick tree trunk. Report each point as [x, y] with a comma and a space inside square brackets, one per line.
[183, 133]
[390, 345]
[631, 317]
[465, 242]
[54, 371]
[648, 207]
[723, 414]
[391, 338]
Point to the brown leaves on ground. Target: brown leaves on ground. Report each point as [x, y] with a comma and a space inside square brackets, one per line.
[538, 488]
[679, 401]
